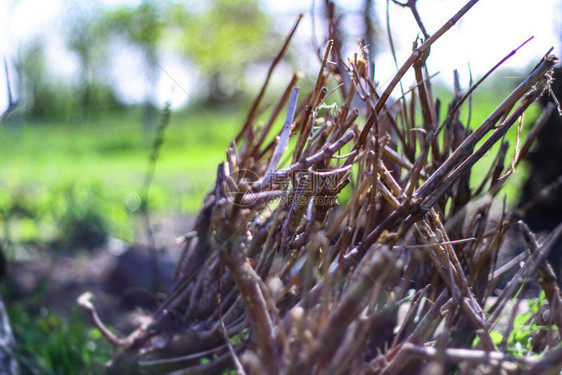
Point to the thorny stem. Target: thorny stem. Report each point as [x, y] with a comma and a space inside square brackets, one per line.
[345, 268]
[417, 54]
[253, 111]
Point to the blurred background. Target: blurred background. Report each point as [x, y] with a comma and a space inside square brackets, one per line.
[86, 85]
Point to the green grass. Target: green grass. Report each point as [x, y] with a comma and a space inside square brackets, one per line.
[114, 151]
[59, 181]
[102, 164]
[56, 177]
[40, 161]
[49, 344]
[485, 100]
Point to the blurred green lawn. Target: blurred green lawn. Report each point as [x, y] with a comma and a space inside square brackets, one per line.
[485, 101]
[50, 169]
[53, 175]
[105, 160]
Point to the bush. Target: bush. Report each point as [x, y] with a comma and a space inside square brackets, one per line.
[51, 345]
[81, 217]
[277, 278]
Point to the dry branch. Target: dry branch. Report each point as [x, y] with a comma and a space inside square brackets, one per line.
[311, 280]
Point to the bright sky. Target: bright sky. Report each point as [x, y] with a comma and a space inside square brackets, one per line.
[486, 34]
[490, 30]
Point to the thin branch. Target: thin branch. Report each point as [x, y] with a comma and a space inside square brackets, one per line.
[550, 364]
[253, 111]
[467, 355]
[415, 56]
[412, 5]
[12, 104]
[547, 277]
[285, 132]
[85, 301]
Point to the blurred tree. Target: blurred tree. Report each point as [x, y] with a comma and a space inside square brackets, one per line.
[87, 39]
[142, 26]
[369, 30]
[12, 101]
[222, 39]
[44, 95]
[48, 96]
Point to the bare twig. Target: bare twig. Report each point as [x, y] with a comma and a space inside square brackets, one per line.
[547, 277]
[551, 364]
[285, 132]
[316, 288]
[468, 355]
[12, 103]
[253, 111]
[85, 301]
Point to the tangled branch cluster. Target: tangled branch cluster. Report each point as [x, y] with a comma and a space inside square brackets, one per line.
[399, 277]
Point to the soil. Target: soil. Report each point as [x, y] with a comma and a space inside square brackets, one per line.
[121, 276]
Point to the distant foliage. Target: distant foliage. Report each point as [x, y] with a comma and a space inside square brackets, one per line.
[223, 40]
[45, 96]
[53, 345]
